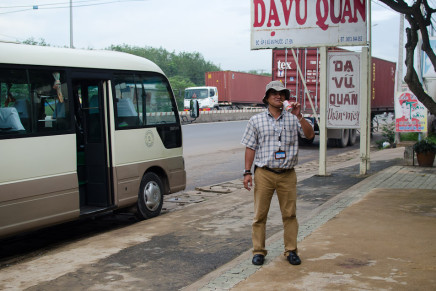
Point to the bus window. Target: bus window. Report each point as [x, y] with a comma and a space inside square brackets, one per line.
[159, 105]
[127, 103]
[33, 101]
[143, 101]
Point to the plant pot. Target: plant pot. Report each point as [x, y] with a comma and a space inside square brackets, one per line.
[425, 159]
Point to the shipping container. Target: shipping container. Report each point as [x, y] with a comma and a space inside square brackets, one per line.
[383, 86]
[238, 89]
[284, 69]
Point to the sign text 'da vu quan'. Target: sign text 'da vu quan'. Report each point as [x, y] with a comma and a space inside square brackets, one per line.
[307, 23]
[343, 96]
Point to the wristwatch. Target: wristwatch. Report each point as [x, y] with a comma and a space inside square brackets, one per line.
[247, 172]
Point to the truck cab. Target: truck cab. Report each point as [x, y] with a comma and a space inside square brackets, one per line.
[207, 97]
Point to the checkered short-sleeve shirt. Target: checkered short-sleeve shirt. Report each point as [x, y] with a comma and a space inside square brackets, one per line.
[262, 135]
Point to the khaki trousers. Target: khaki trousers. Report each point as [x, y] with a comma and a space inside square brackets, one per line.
[285, 185]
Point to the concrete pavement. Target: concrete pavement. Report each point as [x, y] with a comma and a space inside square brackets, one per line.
[377, 235]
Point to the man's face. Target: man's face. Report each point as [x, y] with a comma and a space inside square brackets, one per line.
[276, 98]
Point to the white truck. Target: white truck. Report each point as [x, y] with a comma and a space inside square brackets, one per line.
[206, 96]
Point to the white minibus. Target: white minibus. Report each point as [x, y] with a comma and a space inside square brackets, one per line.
[83, 132]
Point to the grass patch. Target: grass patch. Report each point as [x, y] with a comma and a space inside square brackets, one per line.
[409, 136]
[413, 136]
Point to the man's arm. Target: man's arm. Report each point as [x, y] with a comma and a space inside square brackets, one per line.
[305, 125]
[307, 128]
[249, 158]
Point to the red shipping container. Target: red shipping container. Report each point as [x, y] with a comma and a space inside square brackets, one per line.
[285, 69]
[238, 88]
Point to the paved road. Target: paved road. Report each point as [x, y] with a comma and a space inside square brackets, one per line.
[213, 152]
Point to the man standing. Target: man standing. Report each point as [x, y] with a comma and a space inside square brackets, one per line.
[271, 140]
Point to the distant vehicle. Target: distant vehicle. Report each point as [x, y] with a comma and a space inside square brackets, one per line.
[84, 132]
[207, 97]
[285, 69]
[229, 90]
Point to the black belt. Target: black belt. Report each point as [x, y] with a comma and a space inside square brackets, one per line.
[277, 171]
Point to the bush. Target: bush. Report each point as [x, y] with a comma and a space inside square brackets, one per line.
[425, 145]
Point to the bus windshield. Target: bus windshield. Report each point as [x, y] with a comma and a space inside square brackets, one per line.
[196, 93]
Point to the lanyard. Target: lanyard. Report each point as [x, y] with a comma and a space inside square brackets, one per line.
[273, 122]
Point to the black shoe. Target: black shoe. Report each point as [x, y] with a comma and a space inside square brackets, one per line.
[258, 259]
[293, 258]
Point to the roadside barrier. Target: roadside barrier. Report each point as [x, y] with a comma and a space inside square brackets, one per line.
[220, 115]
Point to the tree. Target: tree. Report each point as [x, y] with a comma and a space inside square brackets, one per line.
[179, 84]
[418, 14]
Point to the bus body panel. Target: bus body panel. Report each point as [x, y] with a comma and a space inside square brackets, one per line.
[30, 204]
[146, 151]
[129, 177]
[37, 157]
[36, 188]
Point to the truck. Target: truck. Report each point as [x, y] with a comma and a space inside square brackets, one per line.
[228, 89]
[284, 69]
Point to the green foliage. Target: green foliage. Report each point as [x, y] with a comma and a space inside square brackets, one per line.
[32, 41]
[432, 137]
[191, 66]
[425, 145]
[179, 83]
[255, 72]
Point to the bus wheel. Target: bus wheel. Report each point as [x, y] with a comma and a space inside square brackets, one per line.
[150, 197]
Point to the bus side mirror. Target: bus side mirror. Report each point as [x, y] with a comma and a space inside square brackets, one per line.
[195, 109]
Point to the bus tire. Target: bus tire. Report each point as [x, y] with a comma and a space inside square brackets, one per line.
[150, 197]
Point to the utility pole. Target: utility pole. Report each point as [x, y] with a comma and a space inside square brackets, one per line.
[71, 24]
[400, 63]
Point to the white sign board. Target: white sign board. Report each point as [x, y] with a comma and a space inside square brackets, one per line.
[307, 23]
[343, 90]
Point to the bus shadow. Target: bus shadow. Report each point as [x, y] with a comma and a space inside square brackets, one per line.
[25, 246]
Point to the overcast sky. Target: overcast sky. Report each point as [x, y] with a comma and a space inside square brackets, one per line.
[218, 29]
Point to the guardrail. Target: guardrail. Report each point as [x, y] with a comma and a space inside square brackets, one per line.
[220, 115]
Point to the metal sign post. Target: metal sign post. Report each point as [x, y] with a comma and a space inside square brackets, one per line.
[322, 171]
[364, 113]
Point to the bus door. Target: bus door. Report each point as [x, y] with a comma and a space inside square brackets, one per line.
[92, 151]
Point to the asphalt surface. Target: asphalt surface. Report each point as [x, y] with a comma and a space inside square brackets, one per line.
[201, 231]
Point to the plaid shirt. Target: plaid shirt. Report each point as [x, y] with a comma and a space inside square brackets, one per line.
[262, 135]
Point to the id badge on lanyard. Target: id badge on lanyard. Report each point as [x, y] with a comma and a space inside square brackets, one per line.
[279, 155]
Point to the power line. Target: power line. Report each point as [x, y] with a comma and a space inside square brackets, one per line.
[48, 4]
[37, 7]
